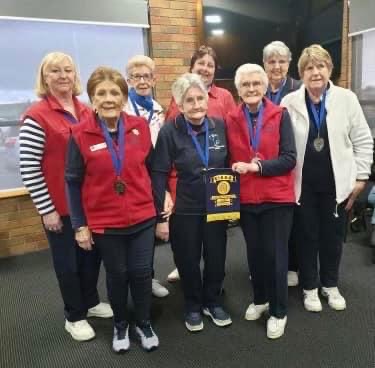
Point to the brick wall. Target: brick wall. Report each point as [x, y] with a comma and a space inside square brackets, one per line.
[175, 31]
[20, 227]
[346, 51]
[173, 38]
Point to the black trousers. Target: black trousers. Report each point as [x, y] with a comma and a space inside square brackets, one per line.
[191, 236]
[127, 261]
[292, 248]
[77, 272]
[320, 234]
[266, 234]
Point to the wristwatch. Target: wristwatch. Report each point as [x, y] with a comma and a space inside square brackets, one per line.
[81, 228]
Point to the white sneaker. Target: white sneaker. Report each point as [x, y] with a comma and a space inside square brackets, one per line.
[254, 311]
[311, 300]
[101, 310]
[147, 336]
[121, 342]
[292, 278]
[335, 300]
[276, 327]
[80, 330]
[158, 289]
[173, 276]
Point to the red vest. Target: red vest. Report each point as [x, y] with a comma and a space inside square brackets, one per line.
[50, 115]
[104, 208]
[256, 189]
[220, 102]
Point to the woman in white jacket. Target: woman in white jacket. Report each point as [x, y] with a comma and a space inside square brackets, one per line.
[334, 156]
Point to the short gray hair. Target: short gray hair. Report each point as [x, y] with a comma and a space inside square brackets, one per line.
[184, 83]
[276, 48]
[249, 69]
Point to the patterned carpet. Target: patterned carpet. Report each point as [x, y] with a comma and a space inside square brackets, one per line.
[32, 333]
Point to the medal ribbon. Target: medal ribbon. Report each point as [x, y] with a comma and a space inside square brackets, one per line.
[204, 156]
[151, 113]
[277, 97]
[70, 117]
[118, 157]
[318, 119]
[254, 138]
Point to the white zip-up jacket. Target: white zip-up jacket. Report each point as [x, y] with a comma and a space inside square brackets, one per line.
[350, 140]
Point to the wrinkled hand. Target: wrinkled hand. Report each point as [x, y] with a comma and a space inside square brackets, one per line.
[162, 231]
[84, 238]
[245, 167]
[168, 205]
[358, 187]
[52, 222]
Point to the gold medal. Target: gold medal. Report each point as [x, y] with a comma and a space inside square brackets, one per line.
[318, 144]
[119, 187]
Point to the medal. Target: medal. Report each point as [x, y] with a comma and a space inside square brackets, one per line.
[319, 116]
[254, 136]
[318, 144]
[117, 155]
[119, 186]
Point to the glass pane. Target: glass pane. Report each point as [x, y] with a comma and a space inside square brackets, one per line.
[23, 45]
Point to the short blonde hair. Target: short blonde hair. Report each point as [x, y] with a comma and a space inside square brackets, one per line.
[184, 83]
[103, 73]
[314, 54]
[250, 69]
[41, 88]
[139, 60]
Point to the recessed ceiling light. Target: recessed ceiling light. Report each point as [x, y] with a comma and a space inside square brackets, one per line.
[217, 32]
[213, 18]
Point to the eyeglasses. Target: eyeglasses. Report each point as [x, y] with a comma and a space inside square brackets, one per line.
[138, 77]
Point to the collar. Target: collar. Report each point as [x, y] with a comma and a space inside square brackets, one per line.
[92, 126]
[179, 123]
[55, 105]
[214, 91]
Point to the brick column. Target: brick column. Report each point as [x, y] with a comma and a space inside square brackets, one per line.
[173, 38]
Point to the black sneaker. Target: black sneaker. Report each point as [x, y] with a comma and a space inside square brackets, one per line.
[146, 335]
[218, 315]
[193, 321]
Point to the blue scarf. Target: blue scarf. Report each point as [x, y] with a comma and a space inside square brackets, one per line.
[143, 101]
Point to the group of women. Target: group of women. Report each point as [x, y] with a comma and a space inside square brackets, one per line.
[303, 151]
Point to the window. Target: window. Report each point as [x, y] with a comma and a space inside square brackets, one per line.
[363, 74]
[23, 44]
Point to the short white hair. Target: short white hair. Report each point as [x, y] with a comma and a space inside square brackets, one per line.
[276, 48]
[184, 83]
[249, 69]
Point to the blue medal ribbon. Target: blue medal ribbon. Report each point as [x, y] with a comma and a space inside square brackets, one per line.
[144, 101]
[70, 117]
[118, 158]
[276, 100]
[254, 138]
[319, 118]
[204, 156]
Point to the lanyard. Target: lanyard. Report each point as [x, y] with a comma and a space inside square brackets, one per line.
[318, 119]
[277, 97]
[204, 156]
[70, 117]
[254, 138]
[151, 113]
[117, 157]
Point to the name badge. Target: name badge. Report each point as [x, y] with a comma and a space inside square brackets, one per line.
[97, 147]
